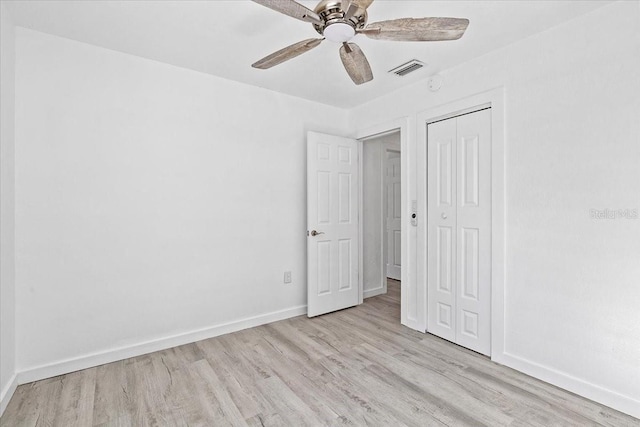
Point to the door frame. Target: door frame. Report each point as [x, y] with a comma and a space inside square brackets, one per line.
[408, 283]
[495, 99]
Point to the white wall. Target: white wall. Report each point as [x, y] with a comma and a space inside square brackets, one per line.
[373, 153]
[7, 205]
[572, 144]
[151, 201]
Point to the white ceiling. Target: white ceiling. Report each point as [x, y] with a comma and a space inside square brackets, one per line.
[224, 38]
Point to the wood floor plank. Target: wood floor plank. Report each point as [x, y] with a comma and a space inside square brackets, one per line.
[227, 411]
[179, 397]
[110, 398]
[355, 367]
[237, 366]
[287, 405]
[77, 396]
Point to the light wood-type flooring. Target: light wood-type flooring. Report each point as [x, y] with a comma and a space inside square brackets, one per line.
[354, 367]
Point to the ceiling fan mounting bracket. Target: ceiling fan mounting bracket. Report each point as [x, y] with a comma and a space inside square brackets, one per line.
[331, 12]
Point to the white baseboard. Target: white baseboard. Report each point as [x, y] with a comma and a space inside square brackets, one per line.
[95, 359]
[7, 393]
[599, 394]
[373, 292]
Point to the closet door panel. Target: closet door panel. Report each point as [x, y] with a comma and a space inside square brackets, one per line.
[441, 229]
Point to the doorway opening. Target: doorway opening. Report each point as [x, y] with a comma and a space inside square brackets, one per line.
[381, 216]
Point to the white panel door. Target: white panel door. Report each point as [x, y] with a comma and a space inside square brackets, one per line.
[459, 230]
[393, 223]
[474, 231]
[441, 229]
[332, 223]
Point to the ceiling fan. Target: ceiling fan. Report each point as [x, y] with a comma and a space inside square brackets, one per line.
[341, 20]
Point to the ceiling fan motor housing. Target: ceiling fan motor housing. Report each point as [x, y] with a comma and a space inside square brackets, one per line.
[332, 14]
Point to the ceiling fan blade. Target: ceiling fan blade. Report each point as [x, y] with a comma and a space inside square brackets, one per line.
[291, 8]
[287, 53]
[420, 29]
[362, 4]
[355, 63]
[350, 9]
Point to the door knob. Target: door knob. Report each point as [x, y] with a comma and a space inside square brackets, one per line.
[444, 215]
[315, 233]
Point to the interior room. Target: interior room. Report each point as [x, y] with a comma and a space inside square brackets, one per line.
[319, 213]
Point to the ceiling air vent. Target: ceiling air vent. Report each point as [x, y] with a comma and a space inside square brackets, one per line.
[409, 67]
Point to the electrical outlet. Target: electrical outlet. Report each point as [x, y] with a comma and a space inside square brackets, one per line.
[287, 277]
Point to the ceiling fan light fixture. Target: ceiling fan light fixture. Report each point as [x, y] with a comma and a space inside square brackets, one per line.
[339, 32]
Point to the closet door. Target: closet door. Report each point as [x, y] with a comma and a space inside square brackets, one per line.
[473, 230]
[441, 229]
[459, 230]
